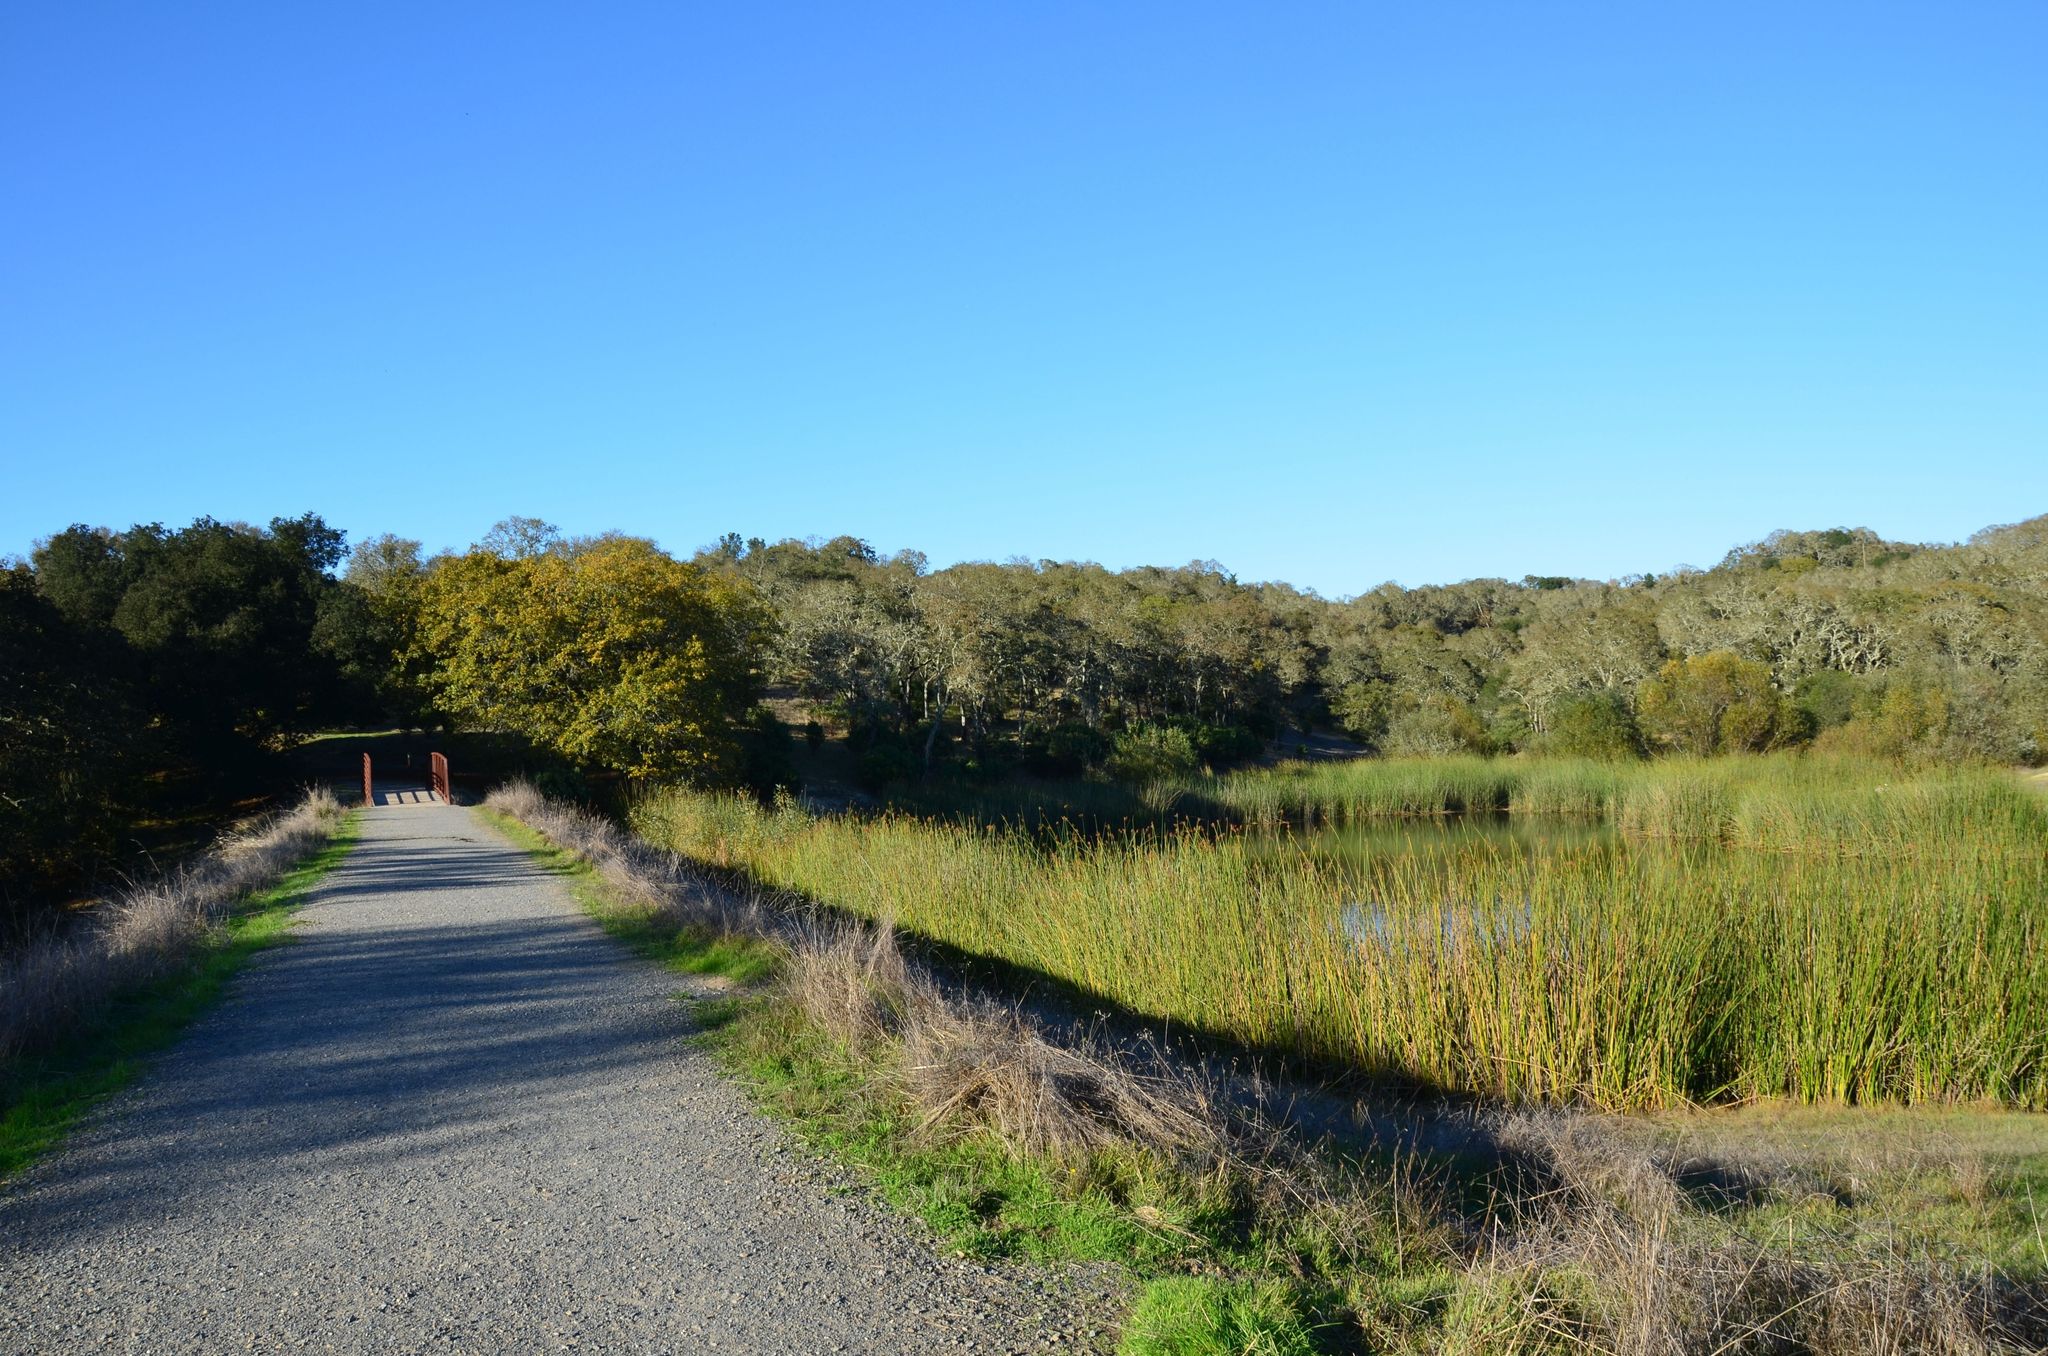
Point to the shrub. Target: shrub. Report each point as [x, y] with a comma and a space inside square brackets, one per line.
[1828, 698]
[562, 783]
[1715, 703]
[1438, 726]
[1153, 753]
[1223, 745]
[1362, 711]
[766, 761]
[885, 761]
[1068, 750]
[1594, 725]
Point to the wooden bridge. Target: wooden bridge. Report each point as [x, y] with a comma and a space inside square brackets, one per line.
[434, 792]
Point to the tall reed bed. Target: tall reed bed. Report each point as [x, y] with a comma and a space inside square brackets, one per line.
[1905, 963]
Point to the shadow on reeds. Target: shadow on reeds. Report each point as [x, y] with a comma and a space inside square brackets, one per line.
[1371, 1109]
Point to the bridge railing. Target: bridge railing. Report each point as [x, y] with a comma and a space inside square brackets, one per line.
[438, 787]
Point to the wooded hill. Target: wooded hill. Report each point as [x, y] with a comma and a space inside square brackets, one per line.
[1838, 636]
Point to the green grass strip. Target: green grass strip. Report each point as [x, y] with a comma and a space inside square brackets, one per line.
[46, 1096]
[980, 1198]
[1204, 1316]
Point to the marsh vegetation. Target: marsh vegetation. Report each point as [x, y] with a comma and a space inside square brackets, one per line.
[151, 676]
[1735, 930]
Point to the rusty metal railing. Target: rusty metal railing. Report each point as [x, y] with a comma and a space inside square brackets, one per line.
[437, 777]
[369, 787]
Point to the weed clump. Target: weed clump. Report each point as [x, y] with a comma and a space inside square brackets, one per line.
[967, 1063]
[1606, 1247]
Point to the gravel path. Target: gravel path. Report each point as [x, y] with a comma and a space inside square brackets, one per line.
[455, 1116]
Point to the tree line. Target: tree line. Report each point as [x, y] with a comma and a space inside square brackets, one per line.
[149, 668]
[148, 674]
[1836, 638]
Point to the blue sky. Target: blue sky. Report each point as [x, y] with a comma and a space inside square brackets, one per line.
[1334, 294]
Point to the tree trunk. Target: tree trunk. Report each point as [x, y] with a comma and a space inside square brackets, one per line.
[931, 737]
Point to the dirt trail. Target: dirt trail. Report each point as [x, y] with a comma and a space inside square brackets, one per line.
[455, 1116]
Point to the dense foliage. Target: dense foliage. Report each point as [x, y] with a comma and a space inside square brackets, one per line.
[608, 653]
[148, 671]
[1868, 646]
[150, 674]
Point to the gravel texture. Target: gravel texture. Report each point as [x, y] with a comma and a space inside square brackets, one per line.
[453, 1115]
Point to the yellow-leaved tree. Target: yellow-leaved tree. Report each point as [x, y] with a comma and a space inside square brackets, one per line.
[609, 652]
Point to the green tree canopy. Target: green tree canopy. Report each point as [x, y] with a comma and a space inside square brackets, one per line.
[1715, 703]
[222, 615]
[610, 653]
[72, 742]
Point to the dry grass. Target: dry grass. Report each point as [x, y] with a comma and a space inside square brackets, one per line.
[970, 1063]
[651, 880]
[1607, 1248]
[49, 984]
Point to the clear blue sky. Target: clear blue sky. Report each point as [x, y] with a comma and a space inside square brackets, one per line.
[1330, 294]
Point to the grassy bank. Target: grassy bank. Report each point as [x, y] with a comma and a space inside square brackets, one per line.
[82, 1014]
[1548, 1232]
[1570, 1234]
[1887, 948]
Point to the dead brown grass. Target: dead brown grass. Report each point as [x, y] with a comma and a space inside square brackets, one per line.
[1607, 1244]
[965, 1062]
[48, 984]
[639, 875]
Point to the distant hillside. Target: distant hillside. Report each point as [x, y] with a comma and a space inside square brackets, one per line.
[1876, 646]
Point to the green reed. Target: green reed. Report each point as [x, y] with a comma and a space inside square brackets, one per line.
[1762, 928]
